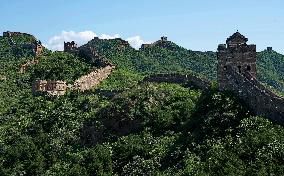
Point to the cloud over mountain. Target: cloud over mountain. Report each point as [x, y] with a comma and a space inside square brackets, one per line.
[57, 42]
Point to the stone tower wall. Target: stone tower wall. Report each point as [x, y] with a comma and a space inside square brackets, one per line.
[242, 58]
[237, 74]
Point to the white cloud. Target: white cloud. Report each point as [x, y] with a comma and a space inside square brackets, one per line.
[57, 42]
[136, 41]
[105, 36]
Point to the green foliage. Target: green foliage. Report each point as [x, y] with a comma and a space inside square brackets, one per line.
[168, 59]
[120, 80]
[149, 129]
[270, 66]
[59, 66]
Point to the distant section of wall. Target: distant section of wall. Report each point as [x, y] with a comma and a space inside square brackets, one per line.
[92, 56]
[70, 47]
[3, 78]
[262, 101]
[94, 78]
[15, 34]
[162, 43]
[186, 80]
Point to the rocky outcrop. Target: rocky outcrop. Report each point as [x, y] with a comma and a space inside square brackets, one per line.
[94, 78]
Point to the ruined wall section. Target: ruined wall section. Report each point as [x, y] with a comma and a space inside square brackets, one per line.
[25, 66]
[186, 80]
[93, 79]
[52, 88]
[262, 101]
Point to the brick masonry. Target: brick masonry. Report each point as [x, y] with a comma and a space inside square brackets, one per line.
[93, 79]
[53, 88]
[237, 74]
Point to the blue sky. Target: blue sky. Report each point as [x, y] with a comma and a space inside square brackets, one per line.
[194, 24]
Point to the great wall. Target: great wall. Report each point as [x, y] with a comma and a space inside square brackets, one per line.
[187, 80]
[84, 83]
[93, 79]
[261, 101]
[236, 73]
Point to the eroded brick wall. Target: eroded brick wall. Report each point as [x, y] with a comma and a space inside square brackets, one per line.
[93, 79]
[53, 88]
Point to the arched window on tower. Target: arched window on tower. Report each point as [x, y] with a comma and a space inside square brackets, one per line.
[239, 67]
[248, 68]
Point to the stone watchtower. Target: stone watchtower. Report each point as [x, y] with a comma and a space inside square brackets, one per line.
[70, 46]
[235, 54]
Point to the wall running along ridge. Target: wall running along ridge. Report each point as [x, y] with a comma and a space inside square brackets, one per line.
[185, 80]
[93, 79]
[237, 74]
[262, 101]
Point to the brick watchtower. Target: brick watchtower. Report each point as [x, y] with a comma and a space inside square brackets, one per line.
[235, 54]
[70, 46]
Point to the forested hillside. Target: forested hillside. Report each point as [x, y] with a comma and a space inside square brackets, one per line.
[146, 129]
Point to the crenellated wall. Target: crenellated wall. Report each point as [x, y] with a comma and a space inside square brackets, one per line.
[262, 101]
[53, 88]
[237, 74]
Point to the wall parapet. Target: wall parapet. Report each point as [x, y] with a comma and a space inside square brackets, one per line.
[94, 78]
[262, 101]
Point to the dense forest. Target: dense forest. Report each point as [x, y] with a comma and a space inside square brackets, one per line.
[146, 129]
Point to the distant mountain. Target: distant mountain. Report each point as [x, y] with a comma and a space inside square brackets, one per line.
[167, 57]
[160, 57]
[270, 67]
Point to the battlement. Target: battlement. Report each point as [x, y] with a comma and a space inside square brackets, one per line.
[183, 79]
[269, 49]
[93, 79]
[26, 65]
[38, 48]
[14, 34]
[144, 46]
[237, 54]
[237, 74]
[160, 42]
[261, 101]
[54, 88]
[70, 46]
